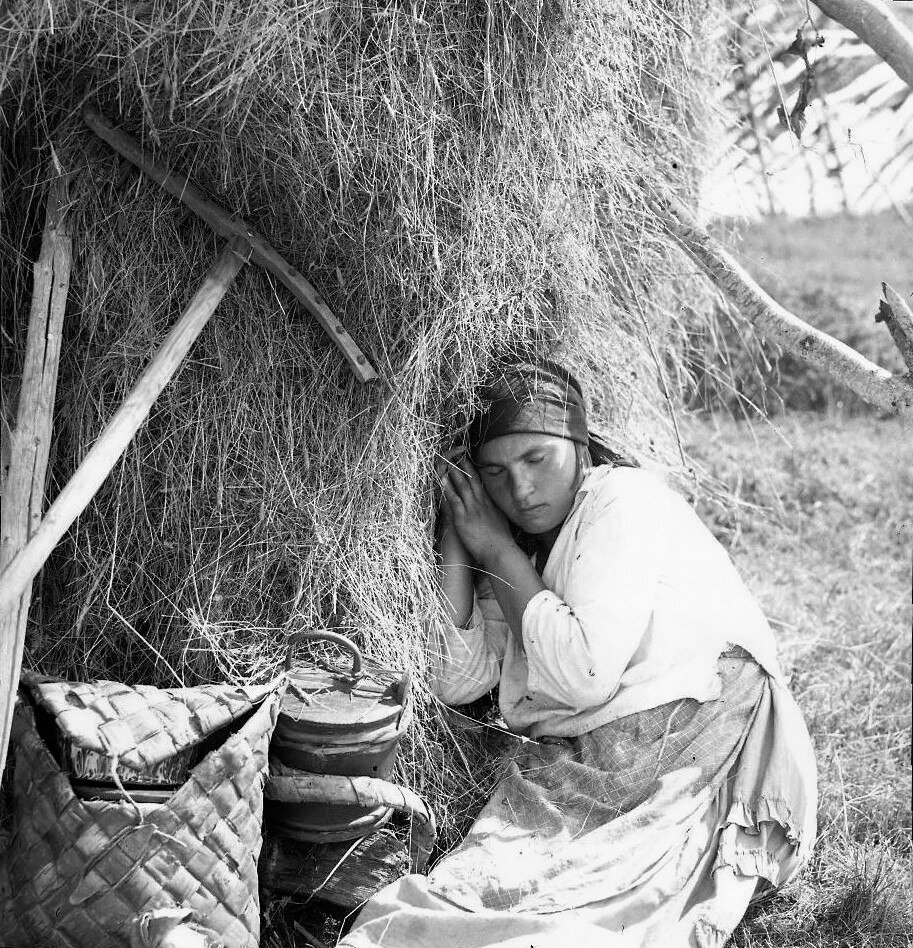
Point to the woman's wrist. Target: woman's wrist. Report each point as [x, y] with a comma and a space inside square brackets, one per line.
[500, 557]
[514, 582]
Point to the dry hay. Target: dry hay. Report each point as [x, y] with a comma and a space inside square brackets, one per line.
[457, 179]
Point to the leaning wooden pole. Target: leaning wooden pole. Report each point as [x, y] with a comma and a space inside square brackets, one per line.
[23, 499]
[843, 363]
[229, 226]
[105, 453]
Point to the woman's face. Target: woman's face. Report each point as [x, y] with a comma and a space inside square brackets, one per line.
[532, 478]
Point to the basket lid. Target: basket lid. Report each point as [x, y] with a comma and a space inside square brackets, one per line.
[140, 724]
[333, 701]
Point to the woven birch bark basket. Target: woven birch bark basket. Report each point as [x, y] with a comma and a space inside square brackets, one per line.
[84, 873]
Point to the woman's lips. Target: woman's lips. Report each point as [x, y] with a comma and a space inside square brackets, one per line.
[528, 510]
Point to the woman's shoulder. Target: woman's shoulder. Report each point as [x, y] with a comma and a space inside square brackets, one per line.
[610, 483]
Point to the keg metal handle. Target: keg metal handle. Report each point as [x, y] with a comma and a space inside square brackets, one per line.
[316, 635]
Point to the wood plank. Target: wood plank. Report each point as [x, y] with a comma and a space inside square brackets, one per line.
[23, 499]
[119, 432]
[299, 869]
[224, 224]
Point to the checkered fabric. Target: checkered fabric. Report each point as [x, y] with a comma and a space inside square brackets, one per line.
[77, 873]
[580, 820]
[140, 724]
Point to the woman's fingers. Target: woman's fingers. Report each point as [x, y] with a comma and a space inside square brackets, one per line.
[467, 479]
[458, 479]
[448, 460]
[451, 494]
[446, 519]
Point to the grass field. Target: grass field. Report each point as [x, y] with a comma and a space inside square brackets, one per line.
[820, 526]
[820, 523]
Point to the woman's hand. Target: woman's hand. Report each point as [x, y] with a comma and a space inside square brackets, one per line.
[454, 560]
[481, 527]
[442, 466]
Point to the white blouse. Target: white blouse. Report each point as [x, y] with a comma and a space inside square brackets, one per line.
[641, 600]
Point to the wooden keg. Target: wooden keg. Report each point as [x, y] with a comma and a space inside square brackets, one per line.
[337, 722]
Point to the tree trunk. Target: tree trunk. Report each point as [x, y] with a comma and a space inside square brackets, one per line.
[874, 23]
[744, 84]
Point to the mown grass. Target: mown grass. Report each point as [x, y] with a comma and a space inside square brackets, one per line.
[819, 524]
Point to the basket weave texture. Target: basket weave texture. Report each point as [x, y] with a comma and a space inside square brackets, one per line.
[141, 725]
[78, 873]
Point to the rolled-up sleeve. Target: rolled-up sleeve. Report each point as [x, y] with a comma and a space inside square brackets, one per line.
[578, 645]
[470, 664]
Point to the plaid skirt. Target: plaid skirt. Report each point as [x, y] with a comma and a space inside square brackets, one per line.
[655, 829]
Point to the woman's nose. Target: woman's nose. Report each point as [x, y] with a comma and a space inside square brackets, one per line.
[521, 488]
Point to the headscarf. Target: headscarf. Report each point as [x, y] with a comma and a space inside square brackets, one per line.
[531, 398]
[537, 397]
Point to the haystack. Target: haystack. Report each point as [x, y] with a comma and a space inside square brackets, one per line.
[457, 179]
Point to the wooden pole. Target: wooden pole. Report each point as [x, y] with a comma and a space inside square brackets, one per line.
[113, 441]
[23, 498]
[224, 224]
[843, 363]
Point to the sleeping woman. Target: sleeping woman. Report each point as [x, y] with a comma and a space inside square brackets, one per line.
[667, 776]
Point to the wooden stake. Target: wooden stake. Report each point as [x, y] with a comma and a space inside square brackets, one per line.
[224, 224]
[113, 441]
[23, 498]
[847, 366]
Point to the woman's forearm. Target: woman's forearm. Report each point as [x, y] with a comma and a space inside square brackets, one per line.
[454, 576]
[514, 582]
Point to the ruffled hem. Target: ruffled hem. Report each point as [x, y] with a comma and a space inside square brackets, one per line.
[762, 838]
[750, 816]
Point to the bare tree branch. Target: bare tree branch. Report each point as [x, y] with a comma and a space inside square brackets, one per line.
[843, 363]
[874, 23]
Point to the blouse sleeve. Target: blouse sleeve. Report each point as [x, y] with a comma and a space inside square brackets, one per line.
[471, 658]
[578, 646]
